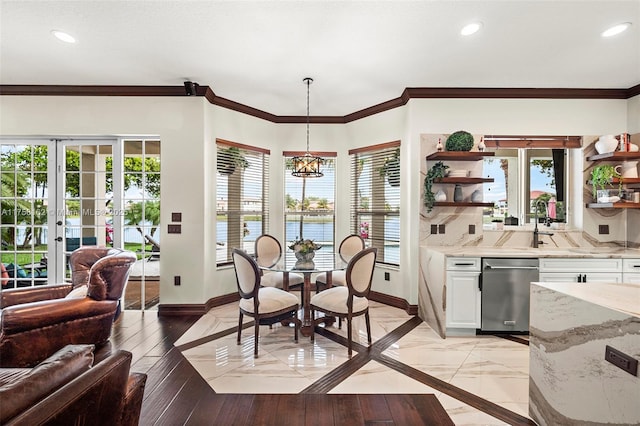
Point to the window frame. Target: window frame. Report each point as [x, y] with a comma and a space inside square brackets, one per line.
[261, 179]
[367, 221]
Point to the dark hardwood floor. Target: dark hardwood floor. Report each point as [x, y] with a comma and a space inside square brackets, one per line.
[175, 394]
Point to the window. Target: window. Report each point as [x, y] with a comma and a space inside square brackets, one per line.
[527, 170]
[309, 203]
[242, 197]
[375, 198]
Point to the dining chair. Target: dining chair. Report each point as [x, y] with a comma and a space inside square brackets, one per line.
[351, 300]
[266, 305]
[269, 248]
[348, 247]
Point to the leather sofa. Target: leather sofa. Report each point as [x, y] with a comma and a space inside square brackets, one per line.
[69, 389]
[37, 321]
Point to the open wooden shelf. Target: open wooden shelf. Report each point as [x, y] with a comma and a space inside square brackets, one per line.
[626, 181]
[463, 180]
[461, 204]
[459, 155]
[618, 205]
[615, 155]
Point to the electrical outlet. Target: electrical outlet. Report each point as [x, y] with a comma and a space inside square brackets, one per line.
[434, 229]
[387, 276]
[176, 280]
[174, 229]
[441, 229]
[472, 229]
[603, 229]
[621, 360]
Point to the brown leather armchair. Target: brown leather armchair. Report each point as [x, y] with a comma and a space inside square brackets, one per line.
[37, 321]
[71, 387]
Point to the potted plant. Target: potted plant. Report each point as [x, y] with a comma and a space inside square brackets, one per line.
[437, 171]
[459, 141]
[601, 178]
[304, 249]
[229, 159]
[391, 168]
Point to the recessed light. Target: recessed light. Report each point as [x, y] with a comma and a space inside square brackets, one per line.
[62, 36]
[471, 28]
[616, 29]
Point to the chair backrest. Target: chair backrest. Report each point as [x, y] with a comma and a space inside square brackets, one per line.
[360, 271]
[351, 245]
[247, 273]
[268, 250]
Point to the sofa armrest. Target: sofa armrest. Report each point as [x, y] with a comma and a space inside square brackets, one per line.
[44, 379]
[133, 400]
[29, 316]
[17, 296]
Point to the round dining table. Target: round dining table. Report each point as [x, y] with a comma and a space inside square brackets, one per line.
[322, 262]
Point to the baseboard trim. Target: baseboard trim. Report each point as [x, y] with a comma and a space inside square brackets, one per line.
[196, 309]
[202, 308]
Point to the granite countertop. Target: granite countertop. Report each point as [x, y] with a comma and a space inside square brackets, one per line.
[568, 252]
[621, 297]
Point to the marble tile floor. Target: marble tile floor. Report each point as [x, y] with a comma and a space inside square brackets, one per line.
[468, 375]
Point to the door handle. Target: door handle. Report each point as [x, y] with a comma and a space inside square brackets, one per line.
[59, 239]
[59, 223]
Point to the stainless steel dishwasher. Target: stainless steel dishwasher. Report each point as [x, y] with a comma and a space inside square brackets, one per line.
[505, 293]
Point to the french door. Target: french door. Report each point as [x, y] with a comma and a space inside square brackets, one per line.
[57, 195]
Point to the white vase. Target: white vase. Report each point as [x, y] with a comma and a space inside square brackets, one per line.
[440, 196]
[606, 143]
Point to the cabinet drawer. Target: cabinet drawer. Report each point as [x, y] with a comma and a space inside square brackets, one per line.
[631, 265]
[574, 277]
[463, 263]
[580, 265]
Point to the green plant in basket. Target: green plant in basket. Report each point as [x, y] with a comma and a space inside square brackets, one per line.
[602, 177]
[437, 171]
[459, 141]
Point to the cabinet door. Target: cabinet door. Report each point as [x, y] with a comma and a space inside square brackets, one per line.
[630, 278]
[463, 300]
[558, 277]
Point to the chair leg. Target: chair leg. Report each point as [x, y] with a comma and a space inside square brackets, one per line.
[296, 324]
[349, 334]
[340, 323]
[239, 327]
[366, 318]
[313, 331]
[256, 333]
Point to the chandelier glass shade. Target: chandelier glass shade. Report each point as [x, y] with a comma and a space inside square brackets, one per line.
[307, 165]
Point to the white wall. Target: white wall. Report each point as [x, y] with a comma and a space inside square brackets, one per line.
[188, 126]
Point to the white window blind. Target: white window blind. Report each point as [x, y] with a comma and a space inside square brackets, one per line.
[375, 198]
[242, 197]
[310, 203]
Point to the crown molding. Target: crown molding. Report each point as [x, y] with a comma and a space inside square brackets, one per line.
[407, 94]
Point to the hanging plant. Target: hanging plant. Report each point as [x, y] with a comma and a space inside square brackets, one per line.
[437, 171]
[391, 168]
[229, 159]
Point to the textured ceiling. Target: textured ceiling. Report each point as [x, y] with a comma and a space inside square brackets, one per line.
[360, 53]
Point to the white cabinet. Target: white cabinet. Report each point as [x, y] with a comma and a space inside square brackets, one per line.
[631, 271]
[463, 293]
[581, 270]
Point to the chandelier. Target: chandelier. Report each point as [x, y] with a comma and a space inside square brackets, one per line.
[307, 165]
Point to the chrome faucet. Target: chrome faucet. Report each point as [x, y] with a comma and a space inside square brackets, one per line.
[536, 233]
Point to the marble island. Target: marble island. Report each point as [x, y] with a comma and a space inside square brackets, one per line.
[479, 251]
[570, 382]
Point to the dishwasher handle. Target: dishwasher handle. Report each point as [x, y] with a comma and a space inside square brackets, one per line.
[532, 268]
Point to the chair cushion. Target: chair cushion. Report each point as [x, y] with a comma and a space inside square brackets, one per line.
[335, 300]
[337, 278]
[271, 300]
[16, 271]
[78, 292]
[276, 279]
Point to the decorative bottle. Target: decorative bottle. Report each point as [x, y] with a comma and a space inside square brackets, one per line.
[457, 193]
[439, 146]
[481, 145]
